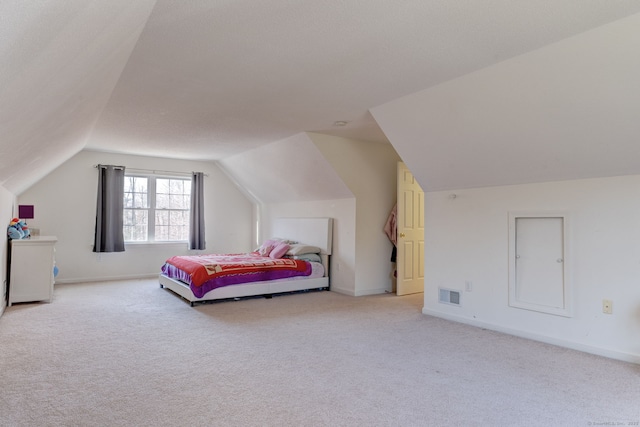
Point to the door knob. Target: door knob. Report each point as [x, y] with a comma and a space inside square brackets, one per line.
[401, 234]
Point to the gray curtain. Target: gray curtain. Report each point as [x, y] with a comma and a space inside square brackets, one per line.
[196, 232]
[109, 210]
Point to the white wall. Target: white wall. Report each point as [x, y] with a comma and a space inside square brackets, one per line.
[7, 205]
[343, 257]
[369, 169]
[467, 240]
[65, 203]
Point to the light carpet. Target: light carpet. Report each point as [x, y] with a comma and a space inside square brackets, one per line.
[128, 353]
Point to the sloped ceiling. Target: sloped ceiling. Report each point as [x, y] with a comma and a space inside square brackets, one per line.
[59, 63]
[208, 79]
[566, 111]
[292, 169]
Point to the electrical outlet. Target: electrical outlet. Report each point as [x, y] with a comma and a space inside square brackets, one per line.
[468, 286]
[607, 306]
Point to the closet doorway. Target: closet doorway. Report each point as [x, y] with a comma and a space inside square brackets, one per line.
[410, 238]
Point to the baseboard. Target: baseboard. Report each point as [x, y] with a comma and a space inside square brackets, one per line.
[372, 292]
[611, 354]
[108, 278]
[349, 292]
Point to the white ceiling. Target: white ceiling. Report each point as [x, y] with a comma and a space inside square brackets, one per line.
[207, 79]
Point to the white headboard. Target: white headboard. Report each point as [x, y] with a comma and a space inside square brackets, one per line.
[312, 231]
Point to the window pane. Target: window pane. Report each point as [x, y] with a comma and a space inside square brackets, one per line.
[140, 184]
[162, 186]
[162, 218]
[172, 225]
[135, 225]
[180, 233]
[141, 216]
[135, 195]
[162, 201]
[162, 233]
[140, 233]
[178, 218]
[140, 200]
[128, 184]
[172, 202]
[128, 217]
[135, 233]
[179, 202]
[177, 186]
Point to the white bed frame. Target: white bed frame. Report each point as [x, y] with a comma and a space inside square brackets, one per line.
[312, 231]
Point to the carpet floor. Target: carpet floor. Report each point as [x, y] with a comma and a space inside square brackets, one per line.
[128, 353]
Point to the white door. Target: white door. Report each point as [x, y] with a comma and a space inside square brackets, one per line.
[410, 223]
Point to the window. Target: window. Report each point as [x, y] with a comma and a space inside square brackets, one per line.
[156, 209]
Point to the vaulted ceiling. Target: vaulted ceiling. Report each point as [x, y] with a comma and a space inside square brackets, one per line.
[208, 79]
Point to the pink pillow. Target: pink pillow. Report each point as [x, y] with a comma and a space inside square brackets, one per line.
[279, 250]
[267, 247]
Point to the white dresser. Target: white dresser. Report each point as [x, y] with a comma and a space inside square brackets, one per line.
[31, 269]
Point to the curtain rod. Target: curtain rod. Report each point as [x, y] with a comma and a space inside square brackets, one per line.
[153, 171]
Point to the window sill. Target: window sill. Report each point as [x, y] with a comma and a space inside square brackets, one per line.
[154, 244]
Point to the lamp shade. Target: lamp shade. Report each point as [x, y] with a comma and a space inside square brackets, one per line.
[25, 211]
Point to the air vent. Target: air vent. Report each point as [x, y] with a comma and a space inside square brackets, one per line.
[449, 296]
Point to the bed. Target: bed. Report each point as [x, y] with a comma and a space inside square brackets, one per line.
[306, 270]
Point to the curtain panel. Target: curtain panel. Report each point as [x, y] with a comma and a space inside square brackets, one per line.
[109, 235]
[196, 231]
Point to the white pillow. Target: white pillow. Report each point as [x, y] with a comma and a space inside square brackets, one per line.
[308, 257]
[301, 248]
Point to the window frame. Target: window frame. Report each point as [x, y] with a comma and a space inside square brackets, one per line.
[151, 208]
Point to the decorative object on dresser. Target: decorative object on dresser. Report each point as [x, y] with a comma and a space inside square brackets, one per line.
[31, 266]
[18, 229]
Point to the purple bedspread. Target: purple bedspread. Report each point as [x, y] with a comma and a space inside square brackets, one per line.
[218, 282]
